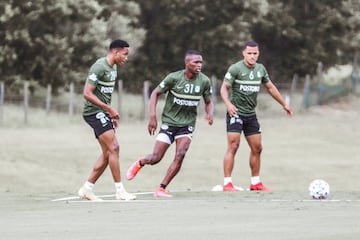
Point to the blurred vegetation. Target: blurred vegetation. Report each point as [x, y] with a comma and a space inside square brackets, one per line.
[55, 42]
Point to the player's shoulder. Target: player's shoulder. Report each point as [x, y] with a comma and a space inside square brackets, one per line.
[175, 75]
[203, 77]
[98, 65]
[237, 65]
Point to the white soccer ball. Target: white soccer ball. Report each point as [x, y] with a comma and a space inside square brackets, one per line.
[319, 189]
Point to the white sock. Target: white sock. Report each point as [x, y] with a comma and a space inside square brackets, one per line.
[89, 185]
[119, 186]
[255, 180]
[227, 180]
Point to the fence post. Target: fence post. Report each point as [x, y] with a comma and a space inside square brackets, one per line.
[307, 92]
[26, 101]
[119, 99]
[2, 93]
[293, 88]
[320, 79]
[146, 97]
[71, 100]
[48, 99]
[355, 73]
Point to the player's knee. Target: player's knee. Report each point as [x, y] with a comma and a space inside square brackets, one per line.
[180, 155]
[154, 159]
[257, 149]
[233, 146]
[115, 148]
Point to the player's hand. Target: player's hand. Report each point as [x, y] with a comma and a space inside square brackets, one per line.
[209, 118]
[288, 110]
[232, 110]
[115, 123]
[113, 113]
[152, 125]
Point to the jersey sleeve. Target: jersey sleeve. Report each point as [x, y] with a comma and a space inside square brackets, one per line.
[94, 75]
[231, 74]
[166, 84]
[207, 90]
[266, 77]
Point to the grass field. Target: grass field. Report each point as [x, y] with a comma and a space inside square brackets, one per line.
[43, 163]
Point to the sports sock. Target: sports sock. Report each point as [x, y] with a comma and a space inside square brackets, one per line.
[255, 180]
[89, 185]
[227, 180]
[119, 185]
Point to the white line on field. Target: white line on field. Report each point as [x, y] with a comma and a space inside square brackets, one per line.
[112, 195]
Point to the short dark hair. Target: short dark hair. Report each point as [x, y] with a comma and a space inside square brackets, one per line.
[118, 43]
[192, 52]
[251, 44]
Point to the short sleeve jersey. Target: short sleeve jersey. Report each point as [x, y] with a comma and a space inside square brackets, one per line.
[245, 84]
[103, 77]
[183, 97]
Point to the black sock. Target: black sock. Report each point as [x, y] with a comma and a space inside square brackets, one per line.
[163, 186]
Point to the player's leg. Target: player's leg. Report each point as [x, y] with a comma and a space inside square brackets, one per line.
[157, 155]
[234, 126]
[101, 124]
[110, 149]
[163, 140]
[255, 145]
[233, 143]
[182, 146]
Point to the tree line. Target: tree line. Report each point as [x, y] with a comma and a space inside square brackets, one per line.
[54, 42]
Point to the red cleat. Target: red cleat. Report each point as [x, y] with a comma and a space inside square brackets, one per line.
[259, 187]
[133, 170]
[160, 192]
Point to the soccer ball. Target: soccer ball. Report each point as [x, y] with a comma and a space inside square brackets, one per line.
[319, 189]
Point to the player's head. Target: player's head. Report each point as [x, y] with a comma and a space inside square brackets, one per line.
[119, 50]
[251, 53]
[193, 61]
[118, 43]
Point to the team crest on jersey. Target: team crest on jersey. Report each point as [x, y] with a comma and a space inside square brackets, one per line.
[197, 89]
[228, 75]
[113, 75]
[93, 77]
[258, 74]
[162, 84]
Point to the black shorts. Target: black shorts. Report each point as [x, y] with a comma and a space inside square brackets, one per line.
[169, 134]
[100, 122]
[249, 124]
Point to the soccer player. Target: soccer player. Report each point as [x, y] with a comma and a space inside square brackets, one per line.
[103, 118]
[184, 90]
[239, 92]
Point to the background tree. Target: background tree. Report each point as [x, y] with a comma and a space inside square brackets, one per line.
[293, 35]
[216, 28]
[296, 35]
[54, 42]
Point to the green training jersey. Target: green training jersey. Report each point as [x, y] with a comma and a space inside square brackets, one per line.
[245, 82]
[183, 97]
[103, 77]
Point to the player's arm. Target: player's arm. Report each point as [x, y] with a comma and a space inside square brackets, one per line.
[152, 125]
[89, 95]
[209, 109]
[225, 93]
[274, 92]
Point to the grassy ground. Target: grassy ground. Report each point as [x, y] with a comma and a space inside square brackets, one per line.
[43, 162]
